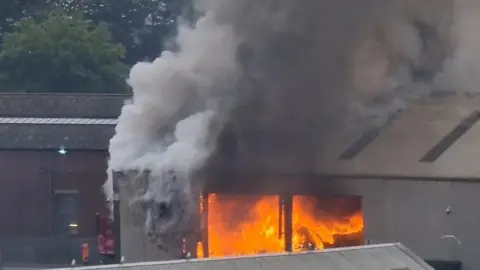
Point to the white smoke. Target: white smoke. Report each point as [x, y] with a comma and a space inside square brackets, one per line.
[166, 125]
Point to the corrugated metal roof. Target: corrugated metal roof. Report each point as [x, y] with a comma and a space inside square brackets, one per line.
[57, 121]
[382, 257]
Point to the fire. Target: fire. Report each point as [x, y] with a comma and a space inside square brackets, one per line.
[243, 225]
[200, 253]
[318, 228]
[246, 225]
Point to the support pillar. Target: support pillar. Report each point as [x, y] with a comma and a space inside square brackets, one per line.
[204, 223]
[281, 217]
[288, 209]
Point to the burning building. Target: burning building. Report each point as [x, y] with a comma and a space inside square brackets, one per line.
[261, 146]
[251, 221]
[421, 196]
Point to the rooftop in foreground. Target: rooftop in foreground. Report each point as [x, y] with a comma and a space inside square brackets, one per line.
[385, 256]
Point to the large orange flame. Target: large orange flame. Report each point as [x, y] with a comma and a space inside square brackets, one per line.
[317, 229]
[243, 225]
[246, 225]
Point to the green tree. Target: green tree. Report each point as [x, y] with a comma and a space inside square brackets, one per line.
[12, 11]
[61, 53]
[142, 26]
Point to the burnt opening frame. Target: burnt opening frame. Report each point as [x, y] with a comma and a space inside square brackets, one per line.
[281, 187]
[243, 184]
[285, 204]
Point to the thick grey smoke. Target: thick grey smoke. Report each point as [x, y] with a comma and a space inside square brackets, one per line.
[284, 75]
[278, 65]
[169, 126]
[398, 54]
[461, 70]
[166, 124]
[413, 49]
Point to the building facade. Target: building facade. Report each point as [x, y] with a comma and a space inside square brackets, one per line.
[53, 159]
[418, 178]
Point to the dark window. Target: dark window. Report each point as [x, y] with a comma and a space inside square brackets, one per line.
[65, 212]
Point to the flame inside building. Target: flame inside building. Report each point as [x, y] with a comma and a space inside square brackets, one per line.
[254, 224]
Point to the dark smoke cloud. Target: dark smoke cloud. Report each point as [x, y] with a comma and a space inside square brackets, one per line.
[296, 78]
[285, 76]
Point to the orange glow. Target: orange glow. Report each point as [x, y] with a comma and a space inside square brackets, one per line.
[246, 225]
[200, 253]
[312, 226]
[243, 225]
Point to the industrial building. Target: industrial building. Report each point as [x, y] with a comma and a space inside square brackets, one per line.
[53, 153]
[414, 181]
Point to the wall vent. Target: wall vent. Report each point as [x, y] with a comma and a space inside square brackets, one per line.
[366, 139]
[446, 142]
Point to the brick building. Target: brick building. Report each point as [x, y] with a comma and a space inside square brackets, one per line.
[53, 158]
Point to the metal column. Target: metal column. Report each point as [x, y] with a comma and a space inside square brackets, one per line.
[288, 209]
[281, 217]
[204, 223]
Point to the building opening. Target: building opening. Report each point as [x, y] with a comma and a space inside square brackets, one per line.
[235, 225]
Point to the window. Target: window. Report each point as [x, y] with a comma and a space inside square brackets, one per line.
[65, 212]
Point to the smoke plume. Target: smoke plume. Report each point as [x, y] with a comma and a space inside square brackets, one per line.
[284, 75]
[413, 49]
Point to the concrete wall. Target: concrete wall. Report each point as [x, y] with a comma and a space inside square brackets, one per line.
[415, 214]
[135, 245]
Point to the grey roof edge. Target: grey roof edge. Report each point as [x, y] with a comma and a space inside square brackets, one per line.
[175, 262]
[414, 256]
[62, 105]
[66, 93]
[57, 121]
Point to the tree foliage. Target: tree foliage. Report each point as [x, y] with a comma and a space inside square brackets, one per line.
[12, 11]
[60, 53]
[78, 53]
[142, 26]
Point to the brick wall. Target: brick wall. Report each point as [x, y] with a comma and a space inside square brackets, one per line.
[28, 182]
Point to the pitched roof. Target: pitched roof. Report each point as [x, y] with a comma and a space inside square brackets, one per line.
[386, 256]
[53, 136]
[50, 121]
[437, 138]
[61, 105]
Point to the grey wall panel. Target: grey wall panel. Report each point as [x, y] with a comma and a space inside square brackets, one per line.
[465, 218]
[414, 213]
